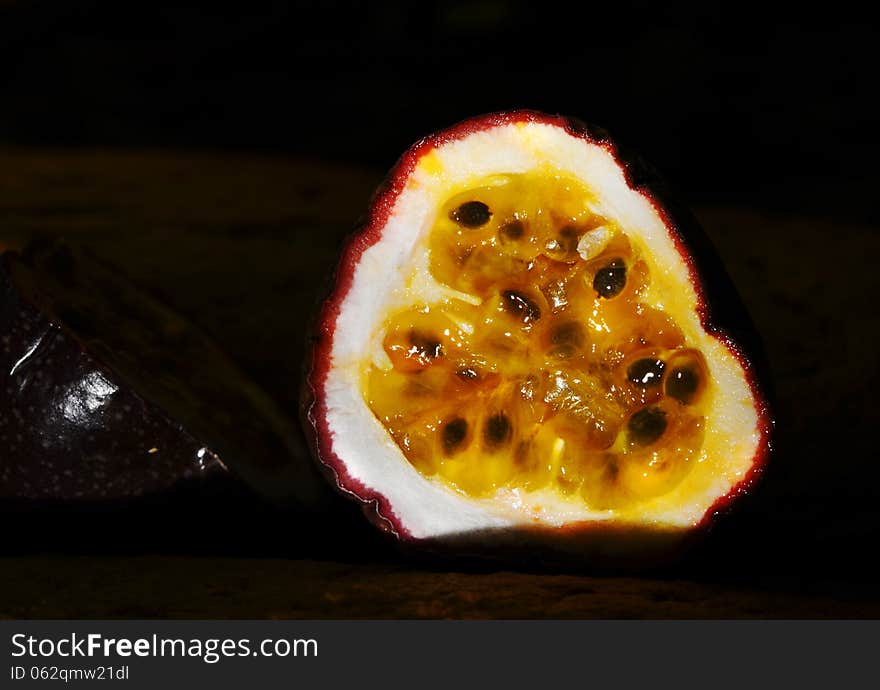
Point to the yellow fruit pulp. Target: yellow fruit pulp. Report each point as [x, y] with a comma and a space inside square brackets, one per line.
[556, 375]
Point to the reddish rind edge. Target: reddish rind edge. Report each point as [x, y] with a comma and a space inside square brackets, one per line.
[375, 505]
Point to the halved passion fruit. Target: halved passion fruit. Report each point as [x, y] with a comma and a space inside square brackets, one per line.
[519, 343]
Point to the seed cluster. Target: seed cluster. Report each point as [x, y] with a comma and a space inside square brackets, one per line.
[562, 377]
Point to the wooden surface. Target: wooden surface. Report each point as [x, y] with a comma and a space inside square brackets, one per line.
[243, 245]
[181, 587]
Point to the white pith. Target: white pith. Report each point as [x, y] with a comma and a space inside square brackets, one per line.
[393, 274]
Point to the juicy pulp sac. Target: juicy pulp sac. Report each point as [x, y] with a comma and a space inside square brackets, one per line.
[544, 367]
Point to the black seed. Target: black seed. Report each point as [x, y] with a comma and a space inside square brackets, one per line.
[610, 279]
[471, 214]
[566, 339]
[646, 426]
[568, 240]
[467, 374]
[521, 456]
[562, 352]
[512, 230]
[612, 469]
[497, 430]
[518, 305]
[682, 384]
[646, 372]
[462, 255]
[425, 345]
[454, 434]
[568, 333]
[564, 246]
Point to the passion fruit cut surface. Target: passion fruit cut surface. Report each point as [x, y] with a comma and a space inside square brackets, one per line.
[519, 340]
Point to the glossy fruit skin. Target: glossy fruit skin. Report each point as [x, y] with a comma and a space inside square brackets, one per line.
[720, 309]
[92, 409]
[70, 429]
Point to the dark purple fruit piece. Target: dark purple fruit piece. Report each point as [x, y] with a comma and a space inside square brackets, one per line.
[107, 394]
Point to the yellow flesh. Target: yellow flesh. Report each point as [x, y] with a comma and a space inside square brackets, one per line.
[529, 384]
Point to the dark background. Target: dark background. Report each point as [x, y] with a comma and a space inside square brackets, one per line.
[763, 117]
[757, 103]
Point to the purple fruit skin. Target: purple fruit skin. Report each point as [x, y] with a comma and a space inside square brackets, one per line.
[69, 428]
